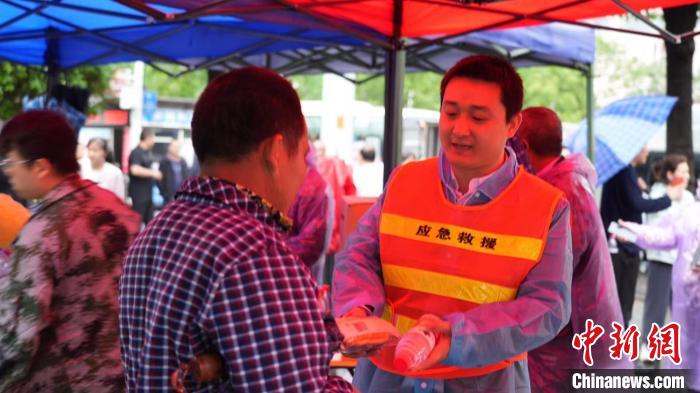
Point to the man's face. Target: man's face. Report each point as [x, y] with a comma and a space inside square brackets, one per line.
[149, 142]
[23, 176]
[473, 126]
[174, 149]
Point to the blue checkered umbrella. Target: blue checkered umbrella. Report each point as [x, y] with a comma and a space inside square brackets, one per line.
[622, 129]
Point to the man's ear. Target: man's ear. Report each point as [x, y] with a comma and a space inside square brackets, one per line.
[514, 124]
[525, 143]
[42, 168]
[272, 150]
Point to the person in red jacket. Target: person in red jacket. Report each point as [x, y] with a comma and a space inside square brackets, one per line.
[338, 175]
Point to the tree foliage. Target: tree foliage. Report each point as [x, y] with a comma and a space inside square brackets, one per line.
[309, 87]
[189, 85]
[18, 81]
[558, 88]
[619, 75]
[563, 91]
[420, 90]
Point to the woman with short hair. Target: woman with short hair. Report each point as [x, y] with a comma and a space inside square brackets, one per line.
[100, 169]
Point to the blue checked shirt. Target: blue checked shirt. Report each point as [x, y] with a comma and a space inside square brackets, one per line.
[211, 273]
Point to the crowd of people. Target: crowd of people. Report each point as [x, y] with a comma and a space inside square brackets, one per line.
[496, 247]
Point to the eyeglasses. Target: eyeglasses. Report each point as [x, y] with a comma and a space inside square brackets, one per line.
[7, 163]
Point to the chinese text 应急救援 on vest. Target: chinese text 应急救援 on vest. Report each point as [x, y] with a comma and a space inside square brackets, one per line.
[442, 258]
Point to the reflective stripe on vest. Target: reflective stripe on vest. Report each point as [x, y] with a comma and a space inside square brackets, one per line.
[512, 246]
[489, 248]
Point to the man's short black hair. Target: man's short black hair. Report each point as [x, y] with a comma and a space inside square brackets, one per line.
[242, 108]
[490, 69]
[42, 134]
[368, 153]
[147, 133]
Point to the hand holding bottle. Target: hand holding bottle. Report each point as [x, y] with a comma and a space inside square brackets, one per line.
[441, 330]
[413, 348]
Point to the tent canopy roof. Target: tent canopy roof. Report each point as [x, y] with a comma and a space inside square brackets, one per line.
[415, 18]
[71, 33]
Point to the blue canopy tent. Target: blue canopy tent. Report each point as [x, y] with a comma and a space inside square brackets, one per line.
[553, 44]
[68, 33]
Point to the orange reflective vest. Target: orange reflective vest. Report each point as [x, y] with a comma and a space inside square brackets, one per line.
[442, 258]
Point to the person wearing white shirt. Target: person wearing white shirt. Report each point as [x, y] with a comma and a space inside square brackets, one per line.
[673, 169]
[98, 168]
[368, 175]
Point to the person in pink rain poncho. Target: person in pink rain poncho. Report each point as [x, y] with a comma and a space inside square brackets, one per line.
[593, 288]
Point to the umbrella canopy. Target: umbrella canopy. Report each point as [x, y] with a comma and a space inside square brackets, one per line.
[623, 128]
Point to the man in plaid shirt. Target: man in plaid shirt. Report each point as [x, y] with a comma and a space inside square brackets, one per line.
[211, 274]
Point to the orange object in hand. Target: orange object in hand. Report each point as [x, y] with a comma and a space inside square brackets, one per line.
[677, 181]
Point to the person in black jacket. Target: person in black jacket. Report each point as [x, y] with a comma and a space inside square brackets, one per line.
[142, 175]
[174, 169]
[622, 199]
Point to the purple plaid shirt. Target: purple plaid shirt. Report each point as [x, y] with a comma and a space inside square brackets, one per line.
[211, 273]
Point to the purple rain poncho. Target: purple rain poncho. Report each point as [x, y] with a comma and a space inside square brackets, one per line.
[310, 233]
[680, 231]
[313, 212]
[593, 289]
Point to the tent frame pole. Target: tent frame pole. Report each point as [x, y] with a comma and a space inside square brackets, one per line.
[393, 108]
[540, 16]
[590, 104]
[668, 36]
[102, 37]
[52, 68]
[394, 71]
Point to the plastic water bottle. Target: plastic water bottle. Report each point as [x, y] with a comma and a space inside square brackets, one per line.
[612, 244]
[413, 348]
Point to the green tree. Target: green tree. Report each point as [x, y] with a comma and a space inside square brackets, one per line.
[371, 90]
[17, 81]
[421, 90]
[558, 88]
[619, 74]
[189, 85]
[309, 87]
[564, 91]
